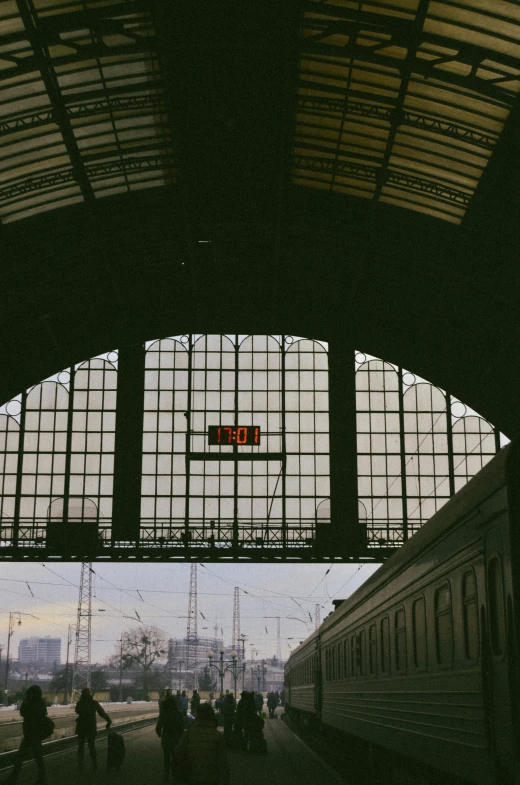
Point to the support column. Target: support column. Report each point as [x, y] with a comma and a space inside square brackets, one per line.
[126, 516]
[347, 536]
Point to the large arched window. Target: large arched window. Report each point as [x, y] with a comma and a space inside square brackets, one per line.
[206, 484]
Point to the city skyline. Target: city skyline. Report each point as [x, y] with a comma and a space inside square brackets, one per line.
[131, 595]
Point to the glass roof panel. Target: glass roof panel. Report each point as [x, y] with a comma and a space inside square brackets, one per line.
[403, 101]
[82, 112]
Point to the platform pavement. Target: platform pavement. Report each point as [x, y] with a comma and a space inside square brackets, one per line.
[288, 762]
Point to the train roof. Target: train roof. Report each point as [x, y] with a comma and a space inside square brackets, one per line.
[303, 645]
[479, 488]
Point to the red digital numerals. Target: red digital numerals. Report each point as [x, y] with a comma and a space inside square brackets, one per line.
[248, 435]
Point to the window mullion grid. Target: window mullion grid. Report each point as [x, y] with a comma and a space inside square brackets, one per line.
[283, 445]
[235, 449]
[301, 420]
[157, 437]
[204, 420]
[19, 473]
[68, 448]
[402, 451]
[449, 436]
[188, 439]
[220, 420]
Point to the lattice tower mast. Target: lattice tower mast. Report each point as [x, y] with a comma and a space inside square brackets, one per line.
[278, 641]
[192, 637]
[236, 622]
[317, 616]
[82, 648]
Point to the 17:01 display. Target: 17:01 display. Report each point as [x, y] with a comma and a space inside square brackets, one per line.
[234, 434]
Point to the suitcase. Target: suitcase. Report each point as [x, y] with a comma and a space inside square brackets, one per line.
[257, 743]
[115, 751]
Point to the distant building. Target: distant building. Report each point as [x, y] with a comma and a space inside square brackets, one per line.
[40, 650]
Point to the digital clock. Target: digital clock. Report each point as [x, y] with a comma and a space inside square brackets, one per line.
[234, 434]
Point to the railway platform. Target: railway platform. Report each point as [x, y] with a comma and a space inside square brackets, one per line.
[288, 762]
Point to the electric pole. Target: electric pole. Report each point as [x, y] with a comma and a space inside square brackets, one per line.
[66, 691]
[170, 657]
[317, 616]
[236, 624]
[121, 669]
[192, 638]
[82, 649]
[12, 614]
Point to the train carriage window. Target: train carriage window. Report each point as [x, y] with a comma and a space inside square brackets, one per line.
[444, 625]
[372, 650]
[385, 645]
[340, 661]
[419, 633]
[497, 618]
[361, 652]
[400, 640]
[353, 669]
[345, 659]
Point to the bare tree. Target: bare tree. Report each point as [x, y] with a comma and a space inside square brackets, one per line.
[142, 647]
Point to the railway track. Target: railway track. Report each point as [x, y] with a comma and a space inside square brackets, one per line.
[69, 740]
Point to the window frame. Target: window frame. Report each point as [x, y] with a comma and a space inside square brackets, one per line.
[423, 667]
[495, 558]
[372, 650]
[397, 632]
[385, 645]
[437, 615]
[361, 653]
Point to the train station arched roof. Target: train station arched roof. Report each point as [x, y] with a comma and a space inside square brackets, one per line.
[332, 168]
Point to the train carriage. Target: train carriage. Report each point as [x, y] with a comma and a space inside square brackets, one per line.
[420, 660]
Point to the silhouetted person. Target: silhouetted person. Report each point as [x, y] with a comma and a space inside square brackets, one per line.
[244, 719]
[178, 701]
[203, 746]
[259, 701]
[86, 726]
[195, 703]
[219, 702]
[33, 711]
[234, 699]
[228, 717]
[272, 703]
[169, 728]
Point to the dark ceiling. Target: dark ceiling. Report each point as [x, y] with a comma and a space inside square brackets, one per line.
[235, 246]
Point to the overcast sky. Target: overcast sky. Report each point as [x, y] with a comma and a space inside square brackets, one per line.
[159, 595]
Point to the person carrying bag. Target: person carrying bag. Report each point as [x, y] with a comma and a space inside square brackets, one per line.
[36, 727]
[86, 725]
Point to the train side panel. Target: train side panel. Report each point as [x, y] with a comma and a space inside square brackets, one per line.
[422, 695]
